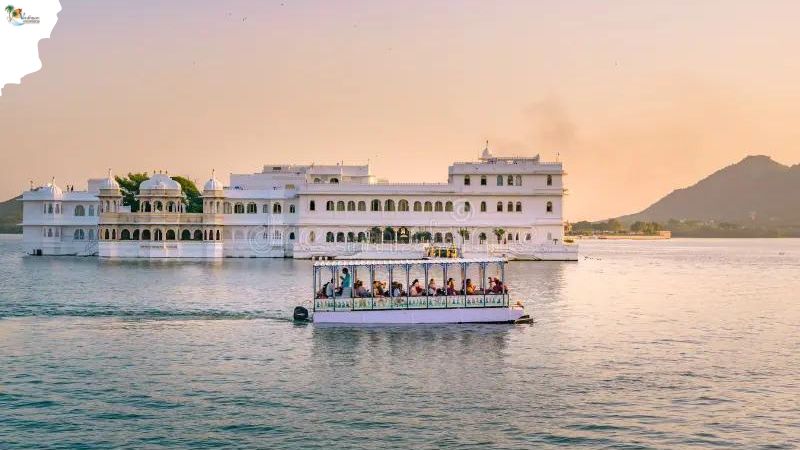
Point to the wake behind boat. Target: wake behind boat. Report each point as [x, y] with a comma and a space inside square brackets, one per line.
[457, 290]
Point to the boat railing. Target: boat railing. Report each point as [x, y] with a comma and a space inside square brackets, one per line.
[347, 303]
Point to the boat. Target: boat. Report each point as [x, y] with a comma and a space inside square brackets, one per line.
[395, 292]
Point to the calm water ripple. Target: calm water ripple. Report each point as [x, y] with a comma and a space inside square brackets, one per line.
[675, 344]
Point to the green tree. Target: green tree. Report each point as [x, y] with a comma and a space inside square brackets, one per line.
[499, 232]
[194, 200]
[375, 234]
[9, 10]
[638, 226]
[464, 234]
[388, 234]
[614, 225]
[129, 186]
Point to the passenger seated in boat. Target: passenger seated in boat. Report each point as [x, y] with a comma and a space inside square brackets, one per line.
[451, 287]
[497, 286]
[470, 287]
[329, 289]
[378, 288]
[361, 291]
[397, 289]
[432, 289]
[415, 289]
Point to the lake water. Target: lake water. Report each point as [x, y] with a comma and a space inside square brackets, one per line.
[657, 344]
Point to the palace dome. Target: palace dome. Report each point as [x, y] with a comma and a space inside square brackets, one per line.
[108, 183]
[160, 181]
[51, 189]
[213, 184]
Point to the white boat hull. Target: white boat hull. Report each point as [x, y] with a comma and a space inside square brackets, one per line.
[432, 315]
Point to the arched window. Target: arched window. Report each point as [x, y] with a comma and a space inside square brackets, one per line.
[340, 237]
[78, 235]
[317, 180]
[448, 237]
[265, 208]
[483, 180]
[329, 236]
[80, 210]
[226, 208]
[351, 236]
[50, 232]
[158, 206]
[390, 205]
[217, 234]
[511, 180]
[329, 205]
[312, 237]
[499, 206]
[158, 235]
[428, 206]
[376, 205]
[518, 180]
[291, 236]
[107, 235]
[291, 209]
[361, 236]
[437, 237]
[483, 206]
[312, 206]
[362, 205]
[113, 234]
[351, 205]
[549, 207]
[467, 207]
[528, 237]
[334, 181]
[125, 235]
[510, 207]
[58, 208]
[91, 210]
[519, 206]
[198, 235]
[417, 206]
[186, 235]
[276, 208]
[437, 207]
[238, 208]
[448, 206]
[402, 205]
[340, 205]
[171, 207]
[466, 180]
[49, 208]
[549, 180]
[482, 237]
[499, 180]
[146, 235]
[252, 208]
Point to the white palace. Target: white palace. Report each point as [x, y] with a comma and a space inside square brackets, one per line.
[496, 206]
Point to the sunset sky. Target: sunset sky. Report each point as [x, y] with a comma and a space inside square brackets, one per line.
[636, 98]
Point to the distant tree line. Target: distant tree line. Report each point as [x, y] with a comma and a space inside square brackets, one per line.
[684, 228]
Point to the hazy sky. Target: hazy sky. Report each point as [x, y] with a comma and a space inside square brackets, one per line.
[638, 98]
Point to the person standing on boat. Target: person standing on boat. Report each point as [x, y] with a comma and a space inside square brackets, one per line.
[347, 281]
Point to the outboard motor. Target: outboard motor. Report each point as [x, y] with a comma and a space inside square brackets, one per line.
[300, 314]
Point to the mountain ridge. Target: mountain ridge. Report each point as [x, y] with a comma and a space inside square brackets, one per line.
[754, 191]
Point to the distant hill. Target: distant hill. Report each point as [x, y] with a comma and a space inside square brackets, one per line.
[756, 191]
[11, 216]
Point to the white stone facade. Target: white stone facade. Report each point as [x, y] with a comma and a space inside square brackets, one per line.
[309, 211]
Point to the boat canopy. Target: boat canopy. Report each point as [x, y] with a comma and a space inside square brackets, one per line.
[403, 262]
